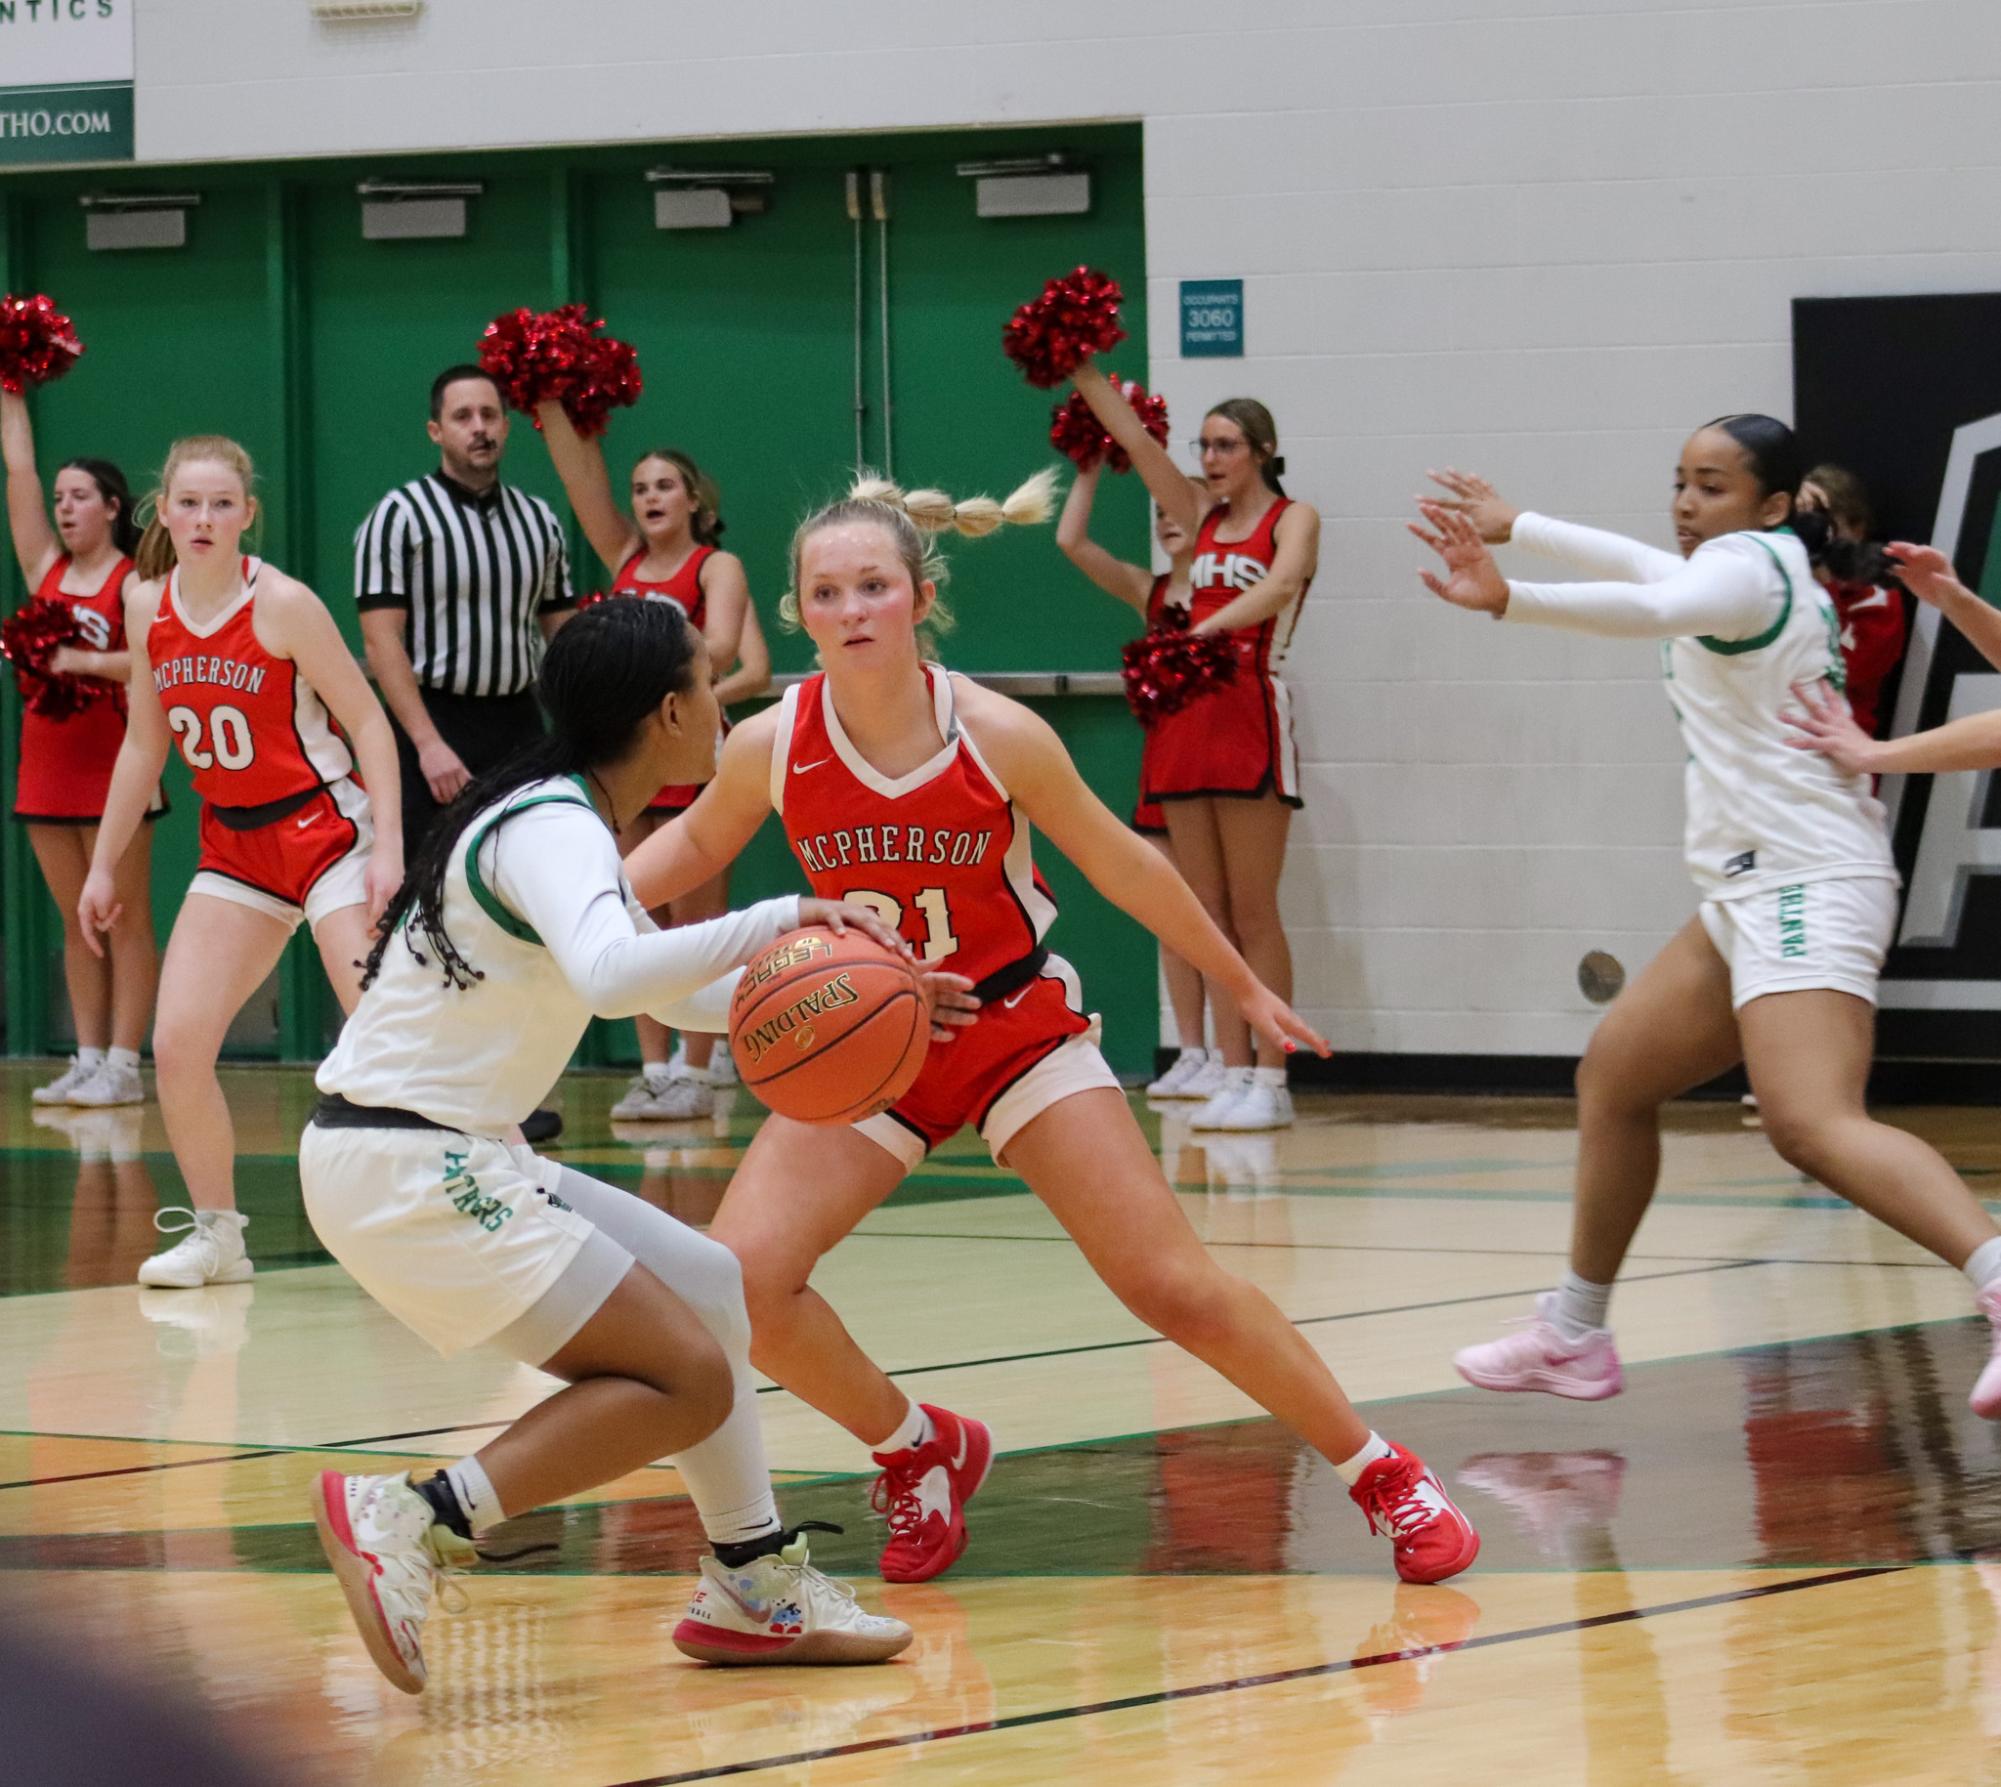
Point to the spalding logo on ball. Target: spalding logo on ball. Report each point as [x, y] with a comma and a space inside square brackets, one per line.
[829, 1028]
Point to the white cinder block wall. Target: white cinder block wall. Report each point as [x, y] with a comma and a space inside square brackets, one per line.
[1542, 238]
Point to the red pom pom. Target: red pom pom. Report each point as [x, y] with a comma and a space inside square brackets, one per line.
[37, 343]
[1075, 432]
[1075, 317]
[1167, 668]
[558, 356]
[29, 638]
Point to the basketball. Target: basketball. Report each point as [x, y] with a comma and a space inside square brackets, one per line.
[829, 1027]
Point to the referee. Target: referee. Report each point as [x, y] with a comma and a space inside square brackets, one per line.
[459, 580]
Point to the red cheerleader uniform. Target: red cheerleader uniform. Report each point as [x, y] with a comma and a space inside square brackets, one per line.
[1147, 816]
[1874, 628]
[65, 769]
[284, 825]
[942, 855]
[1236, 741]
[684, 590]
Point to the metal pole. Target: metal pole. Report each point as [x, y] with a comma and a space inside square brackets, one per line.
[861, 396]
[878, 184]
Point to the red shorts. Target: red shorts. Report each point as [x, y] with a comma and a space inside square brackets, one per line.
[299, 867]
[1026, 1052]
[1234, 742]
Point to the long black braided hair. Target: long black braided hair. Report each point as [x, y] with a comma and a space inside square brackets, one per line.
[603, 674]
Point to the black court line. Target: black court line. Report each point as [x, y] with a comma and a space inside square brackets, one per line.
[1498, 1253]
[1304, 1321]
[182, 1464]
[1278, 1677]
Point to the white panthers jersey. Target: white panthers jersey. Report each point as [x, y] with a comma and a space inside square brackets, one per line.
[1762, 813]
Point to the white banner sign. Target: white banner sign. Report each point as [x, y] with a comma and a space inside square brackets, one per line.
[66, 71]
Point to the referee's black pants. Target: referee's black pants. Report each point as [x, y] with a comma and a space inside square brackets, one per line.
[483, 729]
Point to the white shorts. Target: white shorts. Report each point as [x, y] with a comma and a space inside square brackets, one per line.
[1074, 1066]
[456, 1236]
[1808, 936]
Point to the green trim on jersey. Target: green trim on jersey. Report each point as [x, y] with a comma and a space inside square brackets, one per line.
[484, 896]
[1730, 648]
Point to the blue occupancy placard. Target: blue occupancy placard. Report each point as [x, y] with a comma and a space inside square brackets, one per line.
[1212, 319]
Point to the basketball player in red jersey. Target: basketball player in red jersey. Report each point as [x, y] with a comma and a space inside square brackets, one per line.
[1225, 768]
[665, 550]
[1875, 624]
[1194, 1073]
[85, 560]
[912, 792]
[245, 668]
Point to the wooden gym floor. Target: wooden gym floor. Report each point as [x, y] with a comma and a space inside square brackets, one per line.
[1769, 1561]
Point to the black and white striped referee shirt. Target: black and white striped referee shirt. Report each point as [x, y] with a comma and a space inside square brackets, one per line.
[476, 570]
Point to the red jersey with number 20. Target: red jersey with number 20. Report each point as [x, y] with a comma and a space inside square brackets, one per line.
[941, 853]
[250, 727]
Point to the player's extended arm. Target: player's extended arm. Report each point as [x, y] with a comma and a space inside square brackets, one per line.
[689, 851]
[1823, 723]
[1927, 573]
[1293, 564]
[1030, 758]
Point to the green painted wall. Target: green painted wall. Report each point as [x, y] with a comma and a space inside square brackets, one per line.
[279, 325]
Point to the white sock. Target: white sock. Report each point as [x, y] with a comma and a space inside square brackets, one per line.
[476, 1495]
[657, 1073]
[756, 1519]
[1983, 1264]
[914, 1431]
[90, 1059]
[1580, 1306]
[1351, 1469]
[123, 1058]
[1198, 1053]
[1268, 1076]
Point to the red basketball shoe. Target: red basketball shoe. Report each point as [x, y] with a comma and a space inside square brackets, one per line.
[924, 1492]
[1404, 1499]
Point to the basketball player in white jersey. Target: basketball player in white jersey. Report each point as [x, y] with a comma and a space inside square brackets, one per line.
[514, 928]
[1792, 866]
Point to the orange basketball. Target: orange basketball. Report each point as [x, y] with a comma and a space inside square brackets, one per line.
[829, 1028]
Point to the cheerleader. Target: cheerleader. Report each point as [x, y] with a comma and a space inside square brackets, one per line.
[912, 792]
[515, 927]
[665, 550]
[1158, 600]
[85, 561]
[1791, 860]
[1224, 768]
[244, 668]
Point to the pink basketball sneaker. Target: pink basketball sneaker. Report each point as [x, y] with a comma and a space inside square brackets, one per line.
[1986, 1397]
[1539, 1356]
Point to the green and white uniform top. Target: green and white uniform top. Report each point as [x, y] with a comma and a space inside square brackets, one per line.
[1743, 623]
[541, 908]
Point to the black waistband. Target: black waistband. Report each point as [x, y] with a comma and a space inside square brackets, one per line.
[256, 818]
[335, 1112]
[1011, 979]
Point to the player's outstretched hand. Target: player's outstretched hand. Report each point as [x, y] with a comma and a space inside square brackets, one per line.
[841, 916]
[1280, 1025]
[97, 908]
[1824, 724]
[1476, 499]
[1926, 572]
[1472, 579]
[953, 1006]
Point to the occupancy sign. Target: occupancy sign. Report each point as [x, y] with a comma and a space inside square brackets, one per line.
[67, 69]
[1212, 319]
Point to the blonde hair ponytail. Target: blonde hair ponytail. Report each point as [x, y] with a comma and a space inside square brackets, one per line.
[913, 519]
[155, 556]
